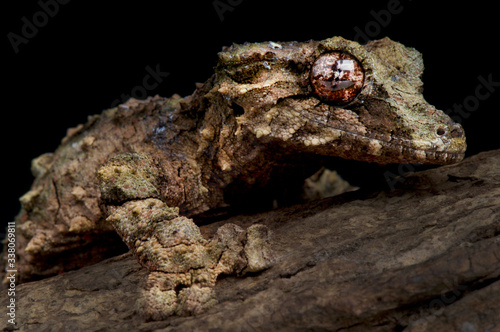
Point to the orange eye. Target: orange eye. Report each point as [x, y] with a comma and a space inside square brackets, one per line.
[337, 77]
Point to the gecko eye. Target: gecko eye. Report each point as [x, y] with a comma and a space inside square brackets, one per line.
[337, 77]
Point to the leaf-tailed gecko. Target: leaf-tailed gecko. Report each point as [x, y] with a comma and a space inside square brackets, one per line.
[258, 125]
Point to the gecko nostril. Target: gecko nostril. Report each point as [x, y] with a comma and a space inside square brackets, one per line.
[441, 131]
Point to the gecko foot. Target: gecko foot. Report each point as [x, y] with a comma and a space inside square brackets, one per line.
[183, 265]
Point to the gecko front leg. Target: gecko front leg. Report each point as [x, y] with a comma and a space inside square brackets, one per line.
[183, 266]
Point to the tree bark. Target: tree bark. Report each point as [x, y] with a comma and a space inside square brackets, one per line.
[422, 257]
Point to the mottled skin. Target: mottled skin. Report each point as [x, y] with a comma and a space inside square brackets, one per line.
[253, 129]
[183, 265]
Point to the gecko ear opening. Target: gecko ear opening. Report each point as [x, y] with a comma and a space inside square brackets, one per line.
[237, 109]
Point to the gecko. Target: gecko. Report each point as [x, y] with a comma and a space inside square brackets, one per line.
[254, 130]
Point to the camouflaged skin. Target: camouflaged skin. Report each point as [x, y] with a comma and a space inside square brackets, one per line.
[183, 265]
[254, 128]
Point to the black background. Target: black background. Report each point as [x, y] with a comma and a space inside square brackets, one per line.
[90, 53]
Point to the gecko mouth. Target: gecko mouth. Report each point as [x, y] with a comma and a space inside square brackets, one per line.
[448, 146]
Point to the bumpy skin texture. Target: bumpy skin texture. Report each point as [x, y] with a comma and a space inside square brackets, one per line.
[246, 133]
[183, 265]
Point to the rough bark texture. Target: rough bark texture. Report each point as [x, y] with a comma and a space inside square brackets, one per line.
[423, 257]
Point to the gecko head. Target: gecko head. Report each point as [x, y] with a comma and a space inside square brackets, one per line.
[337, 97]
